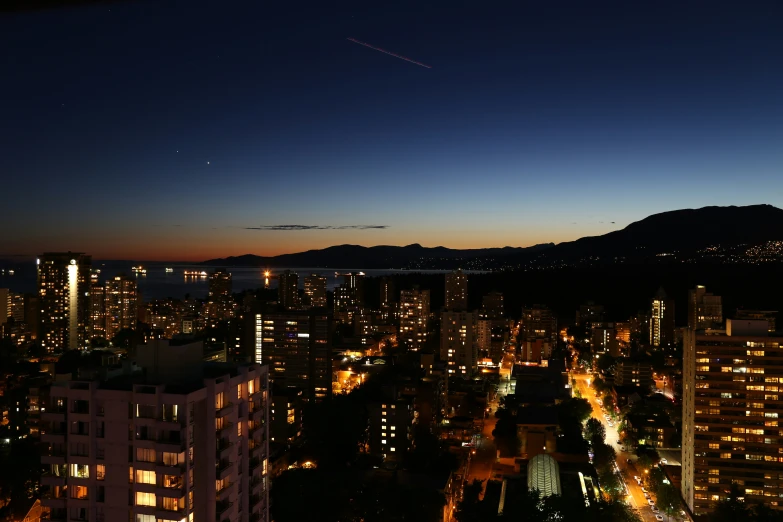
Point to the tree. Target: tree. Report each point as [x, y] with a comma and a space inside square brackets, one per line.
[603, 456]
[610, 483]
[470, 508]
[668, 500]
[731, 509]
[595, 431]
[576, 408]
[505, 433]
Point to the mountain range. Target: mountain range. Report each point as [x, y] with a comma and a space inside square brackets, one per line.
[718, 233]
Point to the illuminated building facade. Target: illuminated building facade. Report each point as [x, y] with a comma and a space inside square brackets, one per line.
[457, 291]
[661, 320]
[121, 308]
[220, 303]
[64, 291]
[704, 309]
[492, 306]
[538, 322]
[296, 345]
[731, 416]
[288, 290]
[315, 291]
[414, 317]
[458, 345]
[182, 441]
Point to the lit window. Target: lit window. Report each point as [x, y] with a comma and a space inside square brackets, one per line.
[145, 499]
[145, 477]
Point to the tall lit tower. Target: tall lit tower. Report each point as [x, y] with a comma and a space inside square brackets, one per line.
[661, 319]
[121, 308]
[704, 309]
[414, 317]
[64, 290]
[288, 290]
[315, 291]
[457, 291]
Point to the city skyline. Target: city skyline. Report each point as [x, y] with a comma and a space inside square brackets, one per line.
[535, 124]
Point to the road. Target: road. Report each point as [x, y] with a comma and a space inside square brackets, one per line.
[627, 471]
[483, 461]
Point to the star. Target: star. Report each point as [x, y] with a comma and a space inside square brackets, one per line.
[207, 163]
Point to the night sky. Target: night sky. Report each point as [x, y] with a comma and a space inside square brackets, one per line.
[190, 130]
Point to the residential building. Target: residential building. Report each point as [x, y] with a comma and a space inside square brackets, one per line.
[458, 342]
[414, 317]
[758, 315]
[661, 320]
[601, 336]
[492, 306]
[64, 291]
[390, 427]
[628, 372]
[220, 303]
[650, 429]
[731, 410]
[536, 349]
[121, 308]
[315, 291]
[288, 290]
[97, 311]
[354, 281]
[590, 313]
[5, 305]
[297, 346]
[389, 300]
[704, 309]
[457, 291]
[285, 415]
[180, 440]
[538, 321]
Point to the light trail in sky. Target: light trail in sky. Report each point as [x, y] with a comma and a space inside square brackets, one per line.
[387, 52]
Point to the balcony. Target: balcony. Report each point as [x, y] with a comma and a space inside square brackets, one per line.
[221, 510]
[254, 463]
[222, 447]
[223, 468]
[225, 426]
[223, 493]
[226, 409]
[254, 499]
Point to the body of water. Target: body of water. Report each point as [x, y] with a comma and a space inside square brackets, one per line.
[157, 283]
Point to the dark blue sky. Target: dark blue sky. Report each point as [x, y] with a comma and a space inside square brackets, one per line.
[165, 129]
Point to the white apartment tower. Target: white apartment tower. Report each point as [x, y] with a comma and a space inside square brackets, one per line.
[180, 441]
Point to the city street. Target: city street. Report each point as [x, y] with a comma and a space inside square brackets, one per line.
[627, 471]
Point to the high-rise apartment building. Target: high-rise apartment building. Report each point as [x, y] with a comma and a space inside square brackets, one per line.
[414, 317]
[730, 416]
[64, 291]
[457, 291]
[704, 309]
[492, 306]
[388, 294]
[315, 291]
[538, 321]
[220, 303]
[759, 315]
[5, 304]
[629, 372]
[590, 313]
[121, 304]
[97, 311]
[354, 281]
[296, 345]
[661, 320]
[182, 440]
[458, 342]
[288, 290]
[389, 299]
